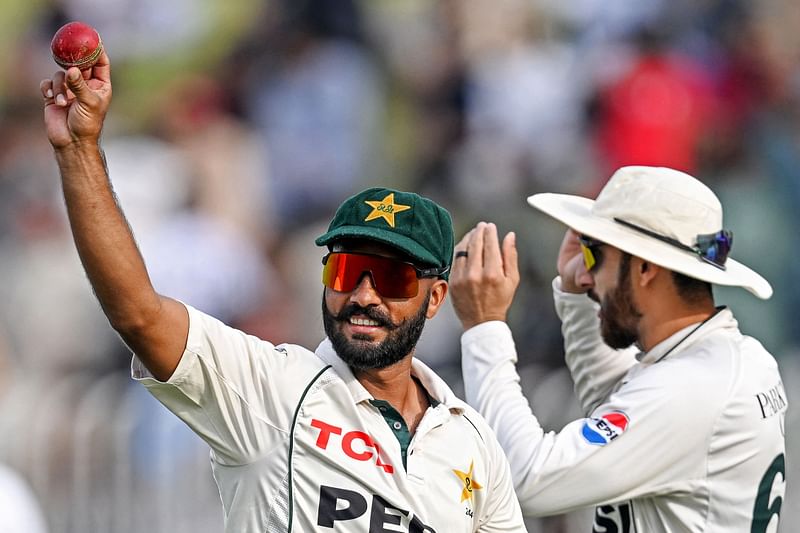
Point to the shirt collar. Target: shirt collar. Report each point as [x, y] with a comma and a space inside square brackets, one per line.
[683, 338]
[433, 384]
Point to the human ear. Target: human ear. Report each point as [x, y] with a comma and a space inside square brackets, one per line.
[438, 292]
[647, 272]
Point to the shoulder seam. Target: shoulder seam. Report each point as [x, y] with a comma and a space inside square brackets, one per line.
[471, 423]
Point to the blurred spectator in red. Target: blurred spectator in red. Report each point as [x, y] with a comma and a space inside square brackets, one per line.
[656, 113]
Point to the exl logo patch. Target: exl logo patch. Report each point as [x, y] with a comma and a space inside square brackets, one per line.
[601, 431]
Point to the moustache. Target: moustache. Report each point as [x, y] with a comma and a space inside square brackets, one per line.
[371, 313]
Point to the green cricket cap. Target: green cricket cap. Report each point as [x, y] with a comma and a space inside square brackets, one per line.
[416, 226]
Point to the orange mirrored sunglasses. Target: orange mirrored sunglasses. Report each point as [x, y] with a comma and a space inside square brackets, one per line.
[392, 278]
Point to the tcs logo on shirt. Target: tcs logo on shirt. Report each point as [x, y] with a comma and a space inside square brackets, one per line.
[355, 444]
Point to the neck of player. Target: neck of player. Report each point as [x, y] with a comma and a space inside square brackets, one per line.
[395, 385]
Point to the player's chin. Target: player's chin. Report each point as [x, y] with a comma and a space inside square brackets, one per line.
[364, 339]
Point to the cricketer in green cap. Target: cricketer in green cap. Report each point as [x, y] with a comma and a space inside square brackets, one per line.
[416, 226]
[390, 256]
[352, 435]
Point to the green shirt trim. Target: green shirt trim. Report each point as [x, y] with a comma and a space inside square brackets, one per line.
[398, 424]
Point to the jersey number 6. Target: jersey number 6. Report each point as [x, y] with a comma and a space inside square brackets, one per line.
[765, 506]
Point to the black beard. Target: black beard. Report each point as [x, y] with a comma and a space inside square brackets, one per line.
[362, 353]
[619, 320]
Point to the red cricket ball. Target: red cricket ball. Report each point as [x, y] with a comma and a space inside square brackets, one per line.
[76, 44]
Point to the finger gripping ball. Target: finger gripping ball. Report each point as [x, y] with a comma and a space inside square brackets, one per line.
[76, 44]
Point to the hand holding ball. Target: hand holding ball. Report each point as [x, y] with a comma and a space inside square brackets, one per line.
[76, 44]
[77, 98]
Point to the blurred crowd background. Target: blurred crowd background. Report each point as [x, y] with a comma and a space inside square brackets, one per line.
[238, 127]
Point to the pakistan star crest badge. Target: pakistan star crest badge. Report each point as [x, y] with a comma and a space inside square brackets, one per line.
[385, 209]
[469, 482]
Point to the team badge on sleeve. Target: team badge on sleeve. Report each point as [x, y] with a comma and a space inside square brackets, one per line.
[600, 431]
[468, 481]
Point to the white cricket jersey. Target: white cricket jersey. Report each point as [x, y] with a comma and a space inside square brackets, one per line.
[687, 437]
[298, 444]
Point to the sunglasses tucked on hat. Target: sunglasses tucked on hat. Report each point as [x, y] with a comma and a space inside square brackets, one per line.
[662, 215]
[415, 226]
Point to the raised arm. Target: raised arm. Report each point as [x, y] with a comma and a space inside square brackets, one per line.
[154, 327]
[595, 367]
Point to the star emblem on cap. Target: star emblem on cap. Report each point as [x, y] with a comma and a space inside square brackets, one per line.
[385, 209]
[469, 482]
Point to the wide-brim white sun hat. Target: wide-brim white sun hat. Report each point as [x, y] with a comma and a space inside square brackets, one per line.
[641, 206]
